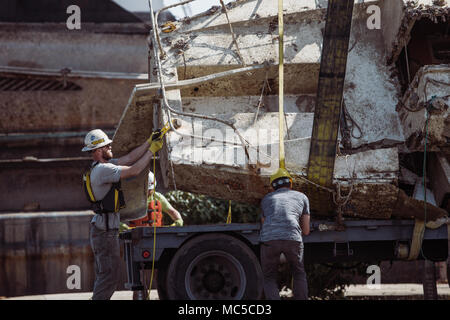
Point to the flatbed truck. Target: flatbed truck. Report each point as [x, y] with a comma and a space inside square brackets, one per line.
[221, 261]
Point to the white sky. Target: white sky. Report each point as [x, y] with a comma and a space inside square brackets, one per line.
[189, 9]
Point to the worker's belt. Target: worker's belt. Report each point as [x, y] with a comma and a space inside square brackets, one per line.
[107, 228]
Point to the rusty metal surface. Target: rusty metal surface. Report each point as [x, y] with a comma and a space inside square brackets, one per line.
[37, 249]
[43, 185]
[93, 48]
[55, 11]
[99, 103]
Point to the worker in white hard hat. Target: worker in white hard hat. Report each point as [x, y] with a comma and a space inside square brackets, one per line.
[157, 204]
[102, 186]
[285, 219]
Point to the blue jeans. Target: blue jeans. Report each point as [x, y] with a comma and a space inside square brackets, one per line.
[105, 245]
[270, 258]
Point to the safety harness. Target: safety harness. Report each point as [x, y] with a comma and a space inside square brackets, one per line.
[112, 202]
[152, 219]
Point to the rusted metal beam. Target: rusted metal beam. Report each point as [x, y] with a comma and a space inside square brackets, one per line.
[15, 137]
[71, 73]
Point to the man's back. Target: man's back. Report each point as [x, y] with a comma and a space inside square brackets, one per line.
[281, 211]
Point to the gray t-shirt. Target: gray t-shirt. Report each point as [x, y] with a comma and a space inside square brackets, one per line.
[103, 175]
[282, 210]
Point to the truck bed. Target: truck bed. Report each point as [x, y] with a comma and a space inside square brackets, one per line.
[358, 237]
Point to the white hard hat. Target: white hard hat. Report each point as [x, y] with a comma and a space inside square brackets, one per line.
[95, 139]
[151, 181]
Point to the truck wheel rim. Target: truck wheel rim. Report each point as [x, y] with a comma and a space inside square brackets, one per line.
[215, 275]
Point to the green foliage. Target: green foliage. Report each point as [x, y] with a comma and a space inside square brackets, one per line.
[200, 209]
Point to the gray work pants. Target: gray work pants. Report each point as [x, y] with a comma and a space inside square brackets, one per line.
[105, 245]
[270, 258]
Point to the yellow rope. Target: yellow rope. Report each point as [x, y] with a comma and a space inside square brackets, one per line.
[154, 231]
[281, 83]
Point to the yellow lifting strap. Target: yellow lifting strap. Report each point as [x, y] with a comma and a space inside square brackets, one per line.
[154, 235]
[165, 129]
[281, 84]
[416, 243]
[229, 212]
[329, 98]
[155, 146]
[419, 231]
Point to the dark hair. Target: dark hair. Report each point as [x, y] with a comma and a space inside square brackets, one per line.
[281, 183]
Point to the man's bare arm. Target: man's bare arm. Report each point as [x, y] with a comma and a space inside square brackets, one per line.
[304, 224]
[133, 156]
[137, 167]
[174, 214]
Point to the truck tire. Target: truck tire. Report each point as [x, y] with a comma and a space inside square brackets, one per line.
[214, 267]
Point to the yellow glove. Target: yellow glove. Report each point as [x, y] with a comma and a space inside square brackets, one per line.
[123, 227]
[156, 146]
[155, 141]
[177, 223]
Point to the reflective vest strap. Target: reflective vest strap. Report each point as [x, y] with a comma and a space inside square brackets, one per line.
[87, 179]
[116, 200]
[155, 212]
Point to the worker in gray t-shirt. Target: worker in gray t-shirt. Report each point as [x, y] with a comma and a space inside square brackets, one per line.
[104, 178]
[285, 218]
[103, 175]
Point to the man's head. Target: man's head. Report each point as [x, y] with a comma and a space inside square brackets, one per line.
[98, 144]
[281, 179]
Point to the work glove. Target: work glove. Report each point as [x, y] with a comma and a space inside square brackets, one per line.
[177, 223]
[123, 227]
[155, 141]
